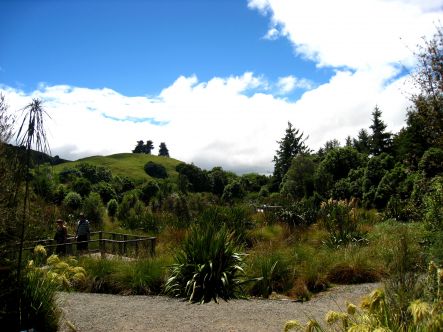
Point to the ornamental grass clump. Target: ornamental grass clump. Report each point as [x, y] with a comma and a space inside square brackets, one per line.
[207, 266]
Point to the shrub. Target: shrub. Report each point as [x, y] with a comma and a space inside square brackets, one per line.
[272, 272]
[155, 170]
[38, 305]
[142, 277]
[82, 186]
[93, 208]
[105, 190]
[207, 266]
[112, 207]
[340, 220]
[149, 190]
[72, 201]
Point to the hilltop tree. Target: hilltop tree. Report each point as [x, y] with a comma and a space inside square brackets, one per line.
[163, 150]
[291, 145]
[380, 138]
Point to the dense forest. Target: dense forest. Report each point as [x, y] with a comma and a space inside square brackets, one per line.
[299, 225]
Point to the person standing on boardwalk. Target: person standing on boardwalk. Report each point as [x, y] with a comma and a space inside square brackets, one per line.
[83, 233]
[61, 237]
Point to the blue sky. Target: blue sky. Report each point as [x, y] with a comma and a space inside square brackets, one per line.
[139, 47]
[216, 80]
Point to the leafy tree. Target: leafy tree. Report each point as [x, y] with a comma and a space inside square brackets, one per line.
[424, 124]
[218, 179]
[380, 139]
[82, 186]
[197, 179]
[432, 162]
[149, 146]
[143, 148]
[163, 150]
[336, 165]
[105, 190]
[290, 146]
[363, 142]
[139, 148]
[93, 208]
[299, 180]
[233, 191]
[155, 170]
[149, 190]
[72, 201]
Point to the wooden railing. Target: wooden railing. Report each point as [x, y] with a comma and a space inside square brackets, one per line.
[103, 242]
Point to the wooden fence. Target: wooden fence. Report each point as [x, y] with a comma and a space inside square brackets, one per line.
[104, 242]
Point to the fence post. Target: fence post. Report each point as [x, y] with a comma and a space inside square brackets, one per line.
[113, 243]
[136, 248]
[153, 243]
[125, 238]
[101, 244]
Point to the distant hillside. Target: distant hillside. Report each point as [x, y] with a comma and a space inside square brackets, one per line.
[127, 164]
[37, 158]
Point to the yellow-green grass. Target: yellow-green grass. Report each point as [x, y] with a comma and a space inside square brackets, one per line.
[127, 164]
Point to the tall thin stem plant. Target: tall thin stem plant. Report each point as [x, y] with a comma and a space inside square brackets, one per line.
[31, 134]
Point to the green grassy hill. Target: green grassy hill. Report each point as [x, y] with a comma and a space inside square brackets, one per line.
[127, 164]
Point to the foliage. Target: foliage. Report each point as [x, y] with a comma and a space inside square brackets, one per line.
[140, 277]
[271, 271]
[233, 191]
[298, 181]
[82, 186]
[112, 207]
[340, 220]
[195, 177]
[141, 147]
[72, 201]
[163, 150]
[93, 209]
[431, 163]
[380, 139]
[155, 170]
[105, 190]
[149, 190]
[290, 146]
[207, 266]
[39, 305]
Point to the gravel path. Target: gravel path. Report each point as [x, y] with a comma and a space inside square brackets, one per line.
[103, 312]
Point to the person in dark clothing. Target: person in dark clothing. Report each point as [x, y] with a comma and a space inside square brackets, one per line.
[82, 233]
[61, 237]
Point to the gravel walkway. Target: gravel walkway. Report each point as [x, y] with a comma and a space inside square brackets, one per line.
[103, 312]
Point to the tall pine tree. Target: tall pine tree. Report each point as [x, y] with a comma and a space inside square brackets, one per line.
[380, 138]
[291, 145]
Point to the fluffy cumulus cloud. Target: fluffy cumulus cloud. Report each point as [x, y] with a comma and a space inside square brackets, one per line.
[354, 34]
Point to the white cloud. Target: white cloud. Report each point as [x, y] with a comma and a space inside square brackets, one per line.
[289, 83]
[221, 122]
[354, 34]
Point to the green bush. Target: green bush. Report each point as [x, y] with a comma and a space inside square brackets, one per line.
[39, 308]
[72, 201]
[112, 207]
[207, 266]
[155, 170]
[93, 208]
[271, 272]
[142, 277]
